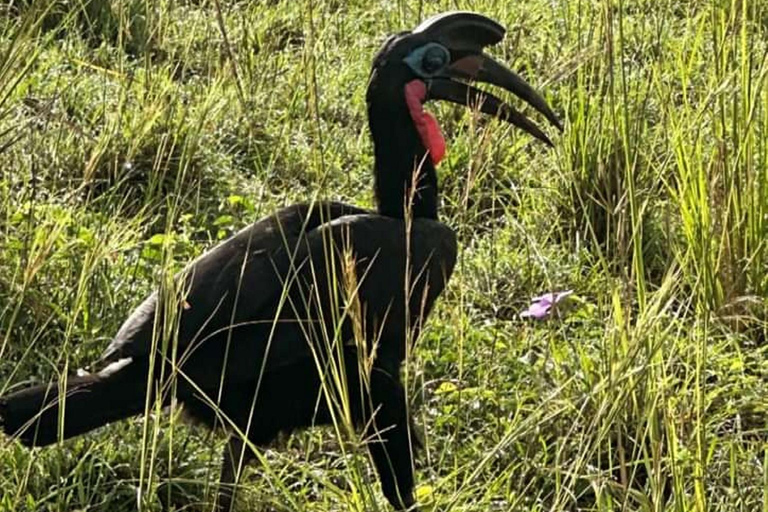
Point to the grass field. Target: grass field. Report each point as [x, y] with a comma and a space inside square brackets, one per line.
[134, 134]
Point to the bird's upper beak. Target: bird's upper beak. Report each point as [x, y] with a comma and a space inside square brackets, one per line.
[483, 68]
[465, 35]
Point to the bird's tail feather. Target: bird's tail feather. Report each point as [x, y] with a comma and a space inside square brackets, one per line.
[34, 414]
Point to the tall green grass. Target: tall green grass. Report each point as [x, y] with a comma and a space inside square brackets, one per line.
[135, 134]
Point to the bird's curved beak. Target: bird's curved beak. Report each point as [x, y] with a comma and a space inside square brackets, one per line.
[452, 86]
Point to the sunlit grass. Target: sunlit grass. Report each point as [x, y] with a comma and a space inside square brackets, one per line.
[133, 135]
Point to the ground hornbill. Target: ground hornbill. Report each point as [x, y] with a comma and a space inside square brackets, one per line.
[304, 317]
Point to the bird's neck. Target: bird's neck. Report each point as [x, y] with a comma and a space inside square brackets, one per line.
[405, 178]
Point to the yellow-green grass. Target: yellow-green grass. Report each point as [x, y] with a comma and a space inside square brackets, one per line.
[134, 134]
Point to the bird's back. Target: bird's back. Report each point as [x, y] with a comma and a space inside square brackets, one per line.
[229, 284]
[286, 289]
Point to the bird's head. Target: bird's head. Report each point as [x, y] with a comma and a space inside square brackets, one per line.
[438, 60]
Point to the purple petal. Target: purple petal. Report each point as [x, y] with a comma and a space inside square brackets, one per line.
[552, 298]
[543, 299]
[537, 310]
[542, 305]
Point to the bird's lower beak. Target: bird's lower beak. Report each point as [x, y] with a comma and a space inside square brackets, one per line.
[482, 68]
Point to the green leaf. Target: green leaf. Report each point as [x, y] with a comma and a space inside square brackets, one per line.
[224, 220]
[158, 239]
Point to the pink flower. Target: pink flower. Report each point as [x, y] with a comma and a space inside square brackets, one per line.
[542, 305]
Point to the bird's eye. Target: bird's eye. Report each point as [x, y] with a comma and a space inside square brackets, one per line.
[434, 59]
[428, 60]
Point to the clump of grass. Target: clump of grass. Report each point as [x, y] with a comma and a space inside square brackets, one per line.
[719, 182]
[133, 135]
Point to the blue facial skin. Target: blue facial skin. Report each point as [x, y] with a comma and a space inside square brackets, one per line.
[429, 60]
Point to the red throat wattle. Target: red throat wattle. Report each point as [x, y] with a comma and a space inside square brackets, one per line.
[426, 124]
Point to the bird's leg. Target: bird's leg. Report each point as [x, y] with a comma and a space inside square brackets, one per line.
[236, 455]
[389, 438]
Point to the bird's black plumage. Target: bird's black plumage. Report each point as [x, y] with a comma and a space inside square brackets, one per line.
[267, 331]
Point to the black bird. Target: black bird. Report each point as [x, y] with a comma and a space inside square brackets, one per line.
[305, 317]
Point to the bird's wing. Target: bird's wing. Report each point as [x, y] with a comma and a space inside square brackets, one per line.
[349, 281]
[235, 280]
[342, 283]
